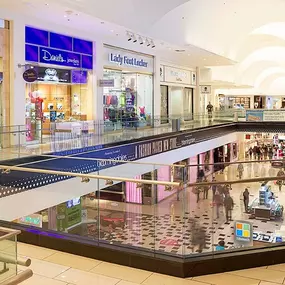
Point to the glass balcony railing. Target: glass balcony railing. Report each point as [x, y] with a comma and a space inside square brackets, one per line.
[174, 210]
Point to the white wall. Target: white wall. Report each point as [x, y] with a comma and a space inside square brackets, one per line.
[29, 202]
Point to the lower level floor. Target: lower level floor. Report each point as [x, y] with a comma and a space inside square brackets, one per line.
[52, 267]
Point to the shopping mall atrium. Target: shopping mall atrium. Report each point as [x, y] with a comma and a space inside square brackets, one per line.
[142, 142]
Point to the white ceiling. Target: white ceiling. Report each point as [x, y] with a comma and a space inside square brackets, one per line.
[110, 24]
[212, 33]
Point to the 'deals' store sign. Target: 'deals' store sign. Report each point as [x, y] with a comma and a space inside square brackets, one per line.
[55, 49]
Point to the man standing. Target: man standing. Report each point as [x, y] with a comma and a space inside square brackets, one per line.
[210, 108]
[229, 204]
[246, 199]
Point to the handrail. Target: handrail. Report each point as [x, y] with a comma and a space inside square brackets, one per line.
[7, 168]
[17, 279]
[249, 180]
[20, 261]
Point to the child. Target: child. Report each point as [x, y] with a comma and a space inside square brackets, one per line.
[220, 246]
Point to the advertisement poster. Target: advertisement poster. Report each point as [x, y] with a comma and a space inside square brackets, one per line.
[273, 116]
[254, 115]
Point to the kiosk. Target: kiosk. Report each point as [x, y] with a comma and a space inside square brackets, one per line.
[266, 206]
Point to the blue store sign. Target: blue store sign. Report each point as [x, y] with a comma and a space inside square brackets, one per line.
[56, 49]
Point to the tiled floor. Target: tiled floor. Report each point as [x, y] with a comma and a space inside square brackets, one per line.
[56, 268]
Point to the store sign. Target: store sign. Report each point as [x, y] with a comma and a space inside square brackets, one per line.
[35, 220]
[206, 89]
[30, 75]
[175, 75]
[56, 57]
[53, 75]
[106, 82]
[243, 233]
[273, 116]
[79, 76]
[126, 60]
[56, 49]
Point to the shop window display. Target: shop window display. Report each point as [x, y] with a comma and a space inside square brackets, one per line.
[129, 102]
[59, 95]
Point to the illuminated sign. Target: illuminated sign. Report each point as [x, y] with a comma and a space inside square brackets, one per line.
[243, 232]
[35, 220]
[126, 60]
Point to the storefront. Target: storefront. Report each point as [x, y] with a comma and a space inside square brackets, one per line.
[234, 102]
[176, 88]
[127, 89]
[4, 79]
[62, 90]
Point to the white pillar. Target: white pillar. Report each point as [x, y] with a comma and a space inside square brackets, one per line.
[156, 91]
[197, 93]
[98, 91]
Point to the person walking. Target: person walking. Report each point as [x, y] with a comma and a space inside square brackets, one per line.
[214, 188]
[280, 182]
[246, 199]
[218, 201]
[250, 152]
[201, 174]
[210, 108]
[240, 170]
[229, 204]
[206, 189]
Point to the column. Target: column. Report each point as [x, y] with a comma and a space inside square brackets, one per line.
[156, 91]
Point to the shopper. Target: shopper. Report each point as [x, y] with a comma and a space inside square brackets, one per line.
[246, 199]
[220, 246]
[280, 182]
[218, 201]
[198, 236]
[214, 187]
[196, 191]
[206, 189]
[240, 170]
[201, 174]
[210, 108]
[229, 204]
[270, 153]
[250, 152]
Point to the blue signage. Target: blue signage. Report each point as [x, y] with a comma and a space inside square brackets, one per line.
[56, 49]
[59, 57]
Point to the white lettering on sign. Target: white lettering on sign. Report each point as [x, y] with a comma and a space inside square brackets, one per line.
[125, 60]
[49, 57]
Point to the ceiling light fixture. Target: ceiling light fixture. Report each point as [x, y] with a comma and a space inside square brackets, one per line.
[147, 42]
[134, 39]
[129, 36]
[152, 44]
[141, 40]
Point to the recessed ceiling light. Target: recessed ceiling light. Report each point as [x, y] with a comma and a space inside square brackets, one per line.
[102, 23]
[204, 58]
[112, 31]
[188, 54]
[65, 16]
[46, 4]
[76, 14]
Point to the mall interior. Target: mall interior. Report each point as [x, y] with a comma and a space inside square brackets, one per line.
[142, 142]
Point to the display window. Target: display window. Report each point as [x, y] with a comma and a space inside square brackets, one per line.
[129, 103]
[58, 95]
[238, 102]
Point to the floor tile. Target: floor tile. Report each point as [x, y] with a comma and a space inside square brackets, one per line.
[278, 267]
[79, 277]
[262, 274]
[45, 268]
[121, 272]
[159, 279]
[73, 261]
[31, 251]
[127, 283]
[226, 279]
[41, 280]
[267, 283]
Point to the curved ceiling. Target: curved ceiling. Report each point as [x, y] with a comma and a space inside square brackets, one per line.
[250, 32]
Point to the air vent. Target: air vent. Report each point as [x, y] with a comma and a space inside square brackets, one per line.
[180, 50]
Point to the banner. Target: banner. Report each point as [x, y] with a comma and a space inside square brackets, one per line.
[254, 115]
[274, 116]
